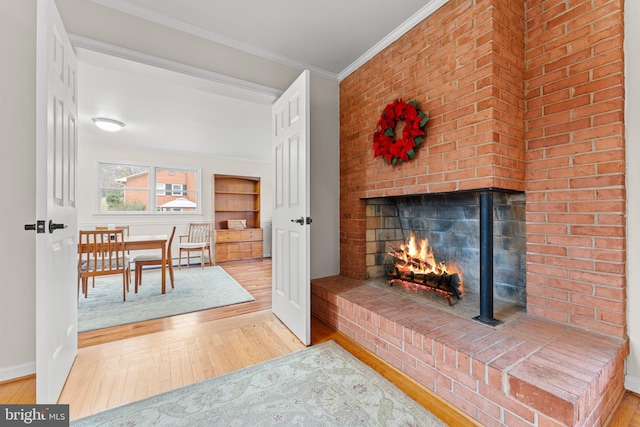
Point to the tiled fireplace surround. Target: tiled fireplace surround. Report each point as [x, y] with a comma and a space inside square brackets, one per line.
[524, 97]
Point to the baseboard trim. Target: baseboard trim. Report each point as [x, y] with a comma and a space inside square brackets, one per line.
[632, 384]
[14, 372]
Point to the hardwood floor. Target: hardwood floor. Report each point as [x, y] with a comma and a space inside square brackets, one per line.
[18, 391]
[627, 413]
[126, 363]
[112, 374]
[254, 276]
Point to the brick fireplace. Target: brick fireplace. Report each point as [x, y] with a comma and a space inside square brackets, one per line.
[526, 98]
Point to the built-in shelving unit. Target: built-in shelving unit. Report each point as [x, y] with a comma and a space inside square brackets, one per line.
[236, 199]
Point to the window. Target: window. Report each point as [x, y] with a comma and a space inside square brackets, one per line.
[178, 189]
[148, 189]
[171, 189]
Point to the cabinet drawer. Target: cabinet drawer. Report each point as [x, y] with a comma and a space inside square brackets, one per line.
[238, 250]
[247, 235]
[256, 250]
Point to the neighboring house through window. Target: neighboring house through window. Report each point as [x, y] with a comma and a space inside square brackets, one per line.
[149, 189]
[171, 189]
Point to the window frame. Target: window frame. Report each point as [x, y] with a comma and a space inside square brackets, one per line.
[152, 190]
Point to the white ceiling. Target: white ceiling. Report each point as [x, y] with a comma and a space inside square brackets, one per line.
[161, 108]
[166, 110]
[325, 35]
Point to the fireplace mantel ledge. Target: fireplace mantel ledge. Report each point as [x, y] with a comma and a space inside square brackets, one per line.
[528, 368]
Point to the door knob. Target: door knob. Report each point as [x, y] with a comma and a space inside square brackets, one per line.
[53, 226]
[302, 220]
[38, 227]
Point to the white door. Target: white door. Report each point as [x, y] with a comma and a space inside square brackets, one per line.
[290, 238]
[56, 249]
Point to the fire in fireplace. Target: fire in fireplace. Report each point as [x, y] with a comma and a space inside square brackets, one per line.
[416, 268]
[481, 231]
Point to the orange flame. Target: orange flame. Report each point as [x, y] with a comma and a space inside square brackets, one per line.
[426, 260]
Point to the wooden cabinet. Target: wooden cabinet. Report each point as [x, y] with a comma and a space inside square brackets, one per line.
[236, 199]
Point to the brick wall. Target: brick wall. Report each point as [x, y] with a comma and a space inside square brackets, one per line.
[576, 163]
[520, 98]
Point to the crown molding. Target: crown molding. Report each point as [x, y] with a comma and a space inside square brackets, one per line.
[414, 20]
[128, 8]
[143, 13]
[226, 85]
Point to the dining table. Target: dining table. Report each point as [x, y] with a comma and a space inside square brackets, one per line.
[152, 241]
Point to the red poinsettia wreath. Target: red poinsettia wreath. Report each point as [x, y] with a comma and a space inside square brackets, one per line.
[385, 142]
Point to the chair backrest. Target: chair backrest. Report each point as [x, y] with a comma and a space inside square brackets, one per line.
[199, 233]
[173, 233]
[117, 227]
[101, 252]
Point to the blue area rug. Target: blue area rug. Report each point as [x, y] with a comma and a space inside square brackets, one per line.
[323, 385]
[195, 289]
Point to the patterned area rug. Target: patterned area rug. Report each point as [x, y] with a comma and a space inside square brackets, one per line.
[323, 385]
[195, 289]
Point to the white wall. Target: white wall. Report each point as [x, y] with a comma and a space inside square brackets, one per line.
[632, 64]
[17, 121]
[325, 178]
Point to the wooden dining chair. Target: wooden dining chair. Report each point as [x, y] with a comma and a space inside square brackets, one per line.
[124, 228]
[145, 260]
[199, 240]
[102, 253]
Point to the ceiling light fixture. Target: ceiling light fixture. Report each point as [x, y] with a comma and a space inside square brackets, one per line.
[108, 124]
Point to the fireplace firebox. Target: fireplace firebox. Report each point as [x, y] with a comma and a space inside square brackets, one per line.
[480, 234]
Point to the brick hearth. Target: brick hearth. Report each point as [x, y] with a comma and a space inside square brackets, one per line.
[528, 372]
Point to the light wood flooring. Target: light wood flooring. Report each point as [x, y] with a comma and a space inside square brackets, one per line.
[126, 363]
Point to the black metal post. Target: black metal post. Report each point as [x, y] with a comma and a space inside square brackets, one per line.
[486, 260]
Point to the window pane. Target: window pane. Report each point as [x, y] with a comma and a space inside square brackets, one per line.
[124, 188]
[124, 200]
[181, 194]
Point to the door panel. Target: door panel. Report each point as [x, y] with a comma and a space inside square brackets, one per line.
[290, 252]
[294, 170]
[56, 250]
[294, 271]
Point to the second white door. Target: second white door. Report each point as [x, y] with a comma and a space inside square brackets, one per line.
[291, 216]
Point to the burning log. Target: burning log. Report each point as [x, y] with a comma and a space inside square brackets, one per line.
[423, 270]
[446, 284]
[418, 263]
